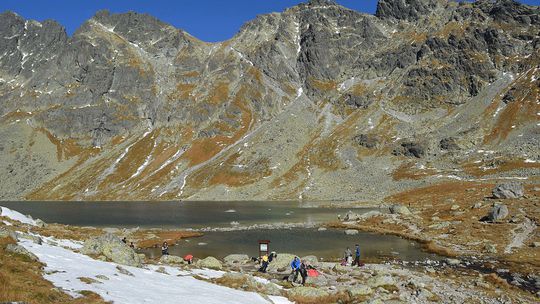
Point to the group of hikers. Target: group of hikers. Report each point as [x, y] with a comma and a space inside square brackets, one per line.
[348, 257]
[298, 267]
[303, 269]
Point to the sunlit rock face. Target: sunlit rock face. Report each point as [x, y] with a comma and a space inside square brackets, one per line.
[318, 102]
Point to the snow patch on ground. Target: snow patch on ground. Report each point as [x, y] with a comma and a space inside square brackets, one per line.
[65, 267]
[16, 216]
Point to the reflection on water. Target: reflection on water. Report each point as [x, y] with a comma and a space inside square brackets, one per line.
[329, 244]
[175, 214]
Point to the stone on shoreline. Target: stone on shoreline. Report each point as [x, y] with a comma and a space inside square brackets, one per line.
[172, 259]
[351, 232]
[400, 209]
[232, 259]
[210, 262]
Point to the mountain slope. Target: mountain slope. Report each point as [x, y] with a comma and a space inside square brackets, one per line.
[318, 103]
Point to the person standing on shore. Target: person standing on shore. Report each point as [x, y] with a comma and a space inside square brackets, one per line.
[295, 265]
[264, 259]
[165, 249]
[357, 256]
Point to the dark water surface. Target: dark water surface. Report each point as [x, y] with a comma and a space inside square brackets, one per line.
[176, 214]
[328, 244]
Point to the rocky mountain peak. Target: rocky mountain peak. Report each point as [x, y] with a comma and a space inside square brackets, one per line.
[410, 10]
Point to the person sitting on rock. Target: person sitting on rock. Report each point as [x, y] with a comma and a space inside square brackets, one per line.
[165, 249]
[264, 260]
[132, 245]
[124, 240]
[295, 265]
[347, 256]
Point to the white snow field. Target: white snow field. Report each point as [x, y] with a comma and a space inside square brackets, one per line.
[16, 216]
[64, 267]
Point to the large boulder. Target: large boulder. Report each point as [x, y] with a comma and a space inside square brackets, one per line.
[351, 232]
[508, 190]
[210, 262]
[171, 259]
[233, 259]
[399, 209]
[497, 212]
[281, 262]
[6, 233]
[34, 238]
[18, 249]
[306, 294]
[113, 248]
[310, 260]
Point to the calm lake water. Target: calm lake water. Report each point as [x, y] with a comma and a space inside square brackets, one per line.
[176, 214]
[329, 244]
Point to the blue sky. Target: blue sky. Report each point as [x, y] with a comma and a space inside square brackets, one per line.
[208, 20]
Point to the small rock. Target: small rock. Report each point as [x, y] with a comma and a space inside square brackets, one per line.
[18, 249]
[102, 277]
[210, 262]
[232, 259]
[477, 205]
[454, 207]
[235, 223]
[41, 224]
[34, 238]
[498, 212]
[322, 229]
[162, 270]
[399, 209]
[536, 244]
[124, 271]
[508, 190]
[490, 248]
[6, 233]
[351, 216]
[453, 262]
[351, 232]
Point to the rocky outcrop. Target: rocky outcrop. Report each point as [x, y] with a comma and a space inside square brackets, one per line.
[307, 293]
[113, 248]
[281, 262]
[233, 259]
[7, 233]
[508, 190]
[399, 209]
[20, 250]
[410, 10]
[171, 259]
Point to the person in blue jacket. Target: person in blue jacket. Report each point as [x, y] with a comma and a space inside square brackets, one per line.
[295, 265]
[357, 256]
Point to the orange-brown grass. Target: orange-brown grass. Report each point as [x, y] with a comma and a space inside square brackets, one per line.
[135, 157]
[65, 148]
[523, 109]
[408, 170]
[501, 166]
[21, 279]
[142, 240]
[323, 85]
[203, 149]
[59, 231]
[219, 94]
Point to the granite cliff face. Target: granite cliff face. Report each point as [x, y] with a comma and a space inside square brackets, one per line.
[317, 103]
